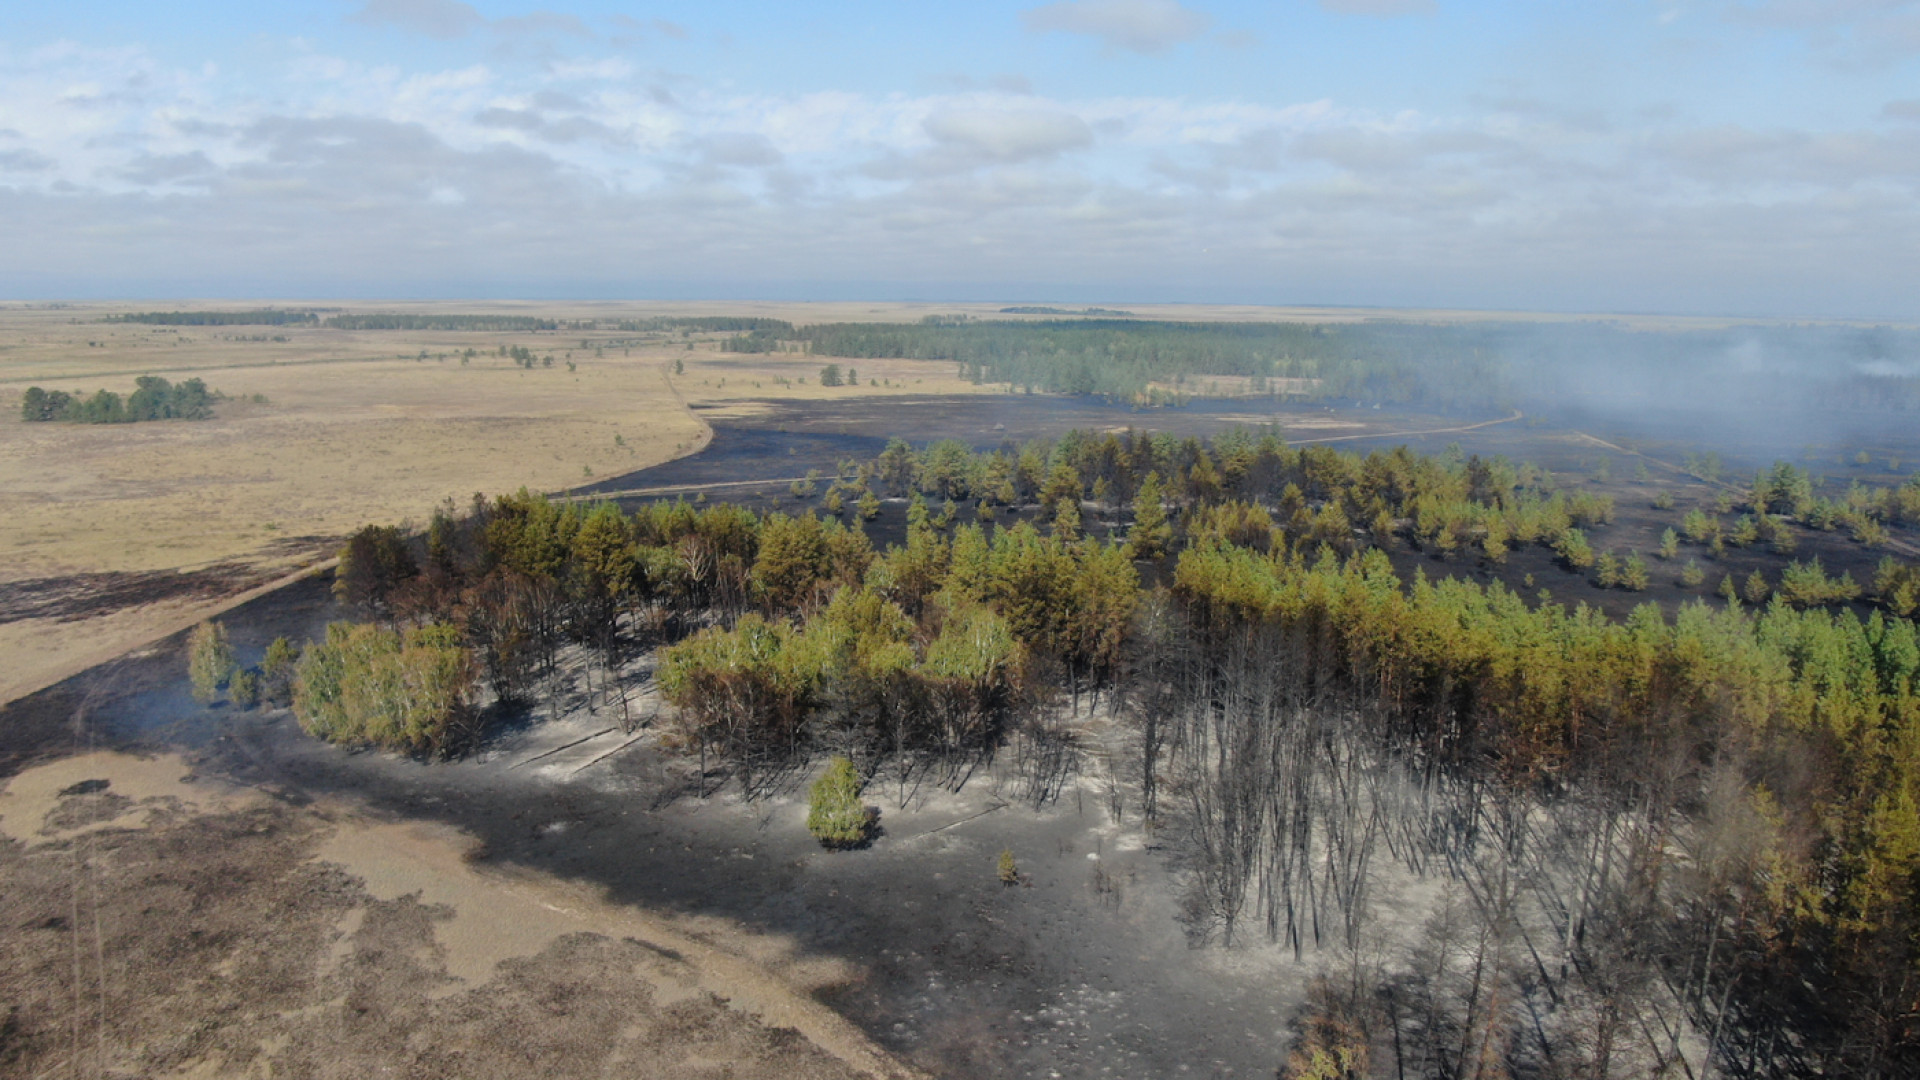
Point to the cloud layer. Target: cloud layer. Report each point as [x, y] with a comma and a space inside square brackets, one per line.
[1143, 26]
[584, 171]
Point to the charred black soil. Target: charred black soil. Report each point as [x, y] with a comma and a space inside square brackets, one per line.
[753, 460]
[1084, 969]
[81, 596]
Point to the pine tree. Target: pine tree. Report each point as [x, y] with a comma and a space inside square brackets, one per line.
[209, 660]
[1066, 521]
[1150, 535]
[276, 670]
[1634, 575]
[243, 686]
[1606, 570]
[1573, 547]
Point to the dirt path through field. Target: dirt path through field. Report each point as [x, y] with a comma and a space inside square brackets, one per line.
[1517, 414]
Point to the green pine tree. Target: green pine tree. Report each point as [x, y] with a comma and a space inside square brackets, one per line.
[209, 660]
[834, 814]
[1150, 535]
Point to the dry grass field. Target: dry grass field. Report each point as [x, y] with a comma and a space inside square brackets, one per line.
[111, 535]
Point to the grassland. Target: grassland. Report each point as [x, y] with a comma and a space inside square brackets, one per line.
[104, 527]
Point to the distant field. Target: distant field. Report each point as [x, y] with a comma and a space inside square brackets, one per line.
[95, 519]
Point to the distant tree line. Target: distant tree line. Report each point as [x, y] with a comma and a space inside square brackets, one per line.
[493, 323]
[1463, 365]
[257, 317]
[1120, 358]
[153, 398]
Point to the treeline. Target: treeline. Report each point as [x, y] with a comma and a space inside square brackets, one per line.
[751, 328]
[257, 317]
[815, 633]
[532, 324]
[153, 398]
[1120, 358]
[1470, 365]
[494, 323]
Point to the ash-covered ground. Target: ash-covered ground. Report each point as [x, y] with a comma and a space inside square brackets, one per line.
[1085, 968]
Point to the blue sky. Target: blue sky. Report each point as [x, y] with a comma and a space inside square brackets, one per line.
[1725, 157]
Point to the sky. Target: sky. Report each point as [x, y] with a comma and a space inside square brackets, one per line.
[1719, 157]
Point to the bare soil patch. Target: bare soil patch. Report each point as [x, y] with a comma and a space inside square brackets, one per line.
[165, 923]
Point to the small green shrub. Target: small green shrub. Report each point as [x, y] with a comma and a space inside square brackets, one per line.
[276, 671]
[1009, 870]
[243, 688]
[1634, 575]
[834, 814]
[1573, 547]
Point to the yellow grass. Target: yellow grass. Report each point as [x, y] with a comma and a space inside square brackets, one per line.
[349, 434]
[337, 446]
[730, 384]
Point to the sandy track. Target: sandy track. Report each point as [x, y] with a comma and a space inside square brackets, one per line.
[1410, 434]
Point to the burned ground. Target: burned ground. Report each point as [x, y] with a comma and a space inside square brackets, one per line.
[752, 460]
[1085, 968]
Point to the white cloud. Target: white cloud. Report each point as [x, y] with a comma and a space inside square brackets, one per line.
[1144, 26]
[1844, 31]
[1009, 134]
[443, 19]
[24, 161]
[119, 174]
[451, 19]
[740, 150]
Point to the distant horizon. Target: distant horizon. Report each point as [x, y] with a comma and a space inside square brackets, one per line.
[1303, 308]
